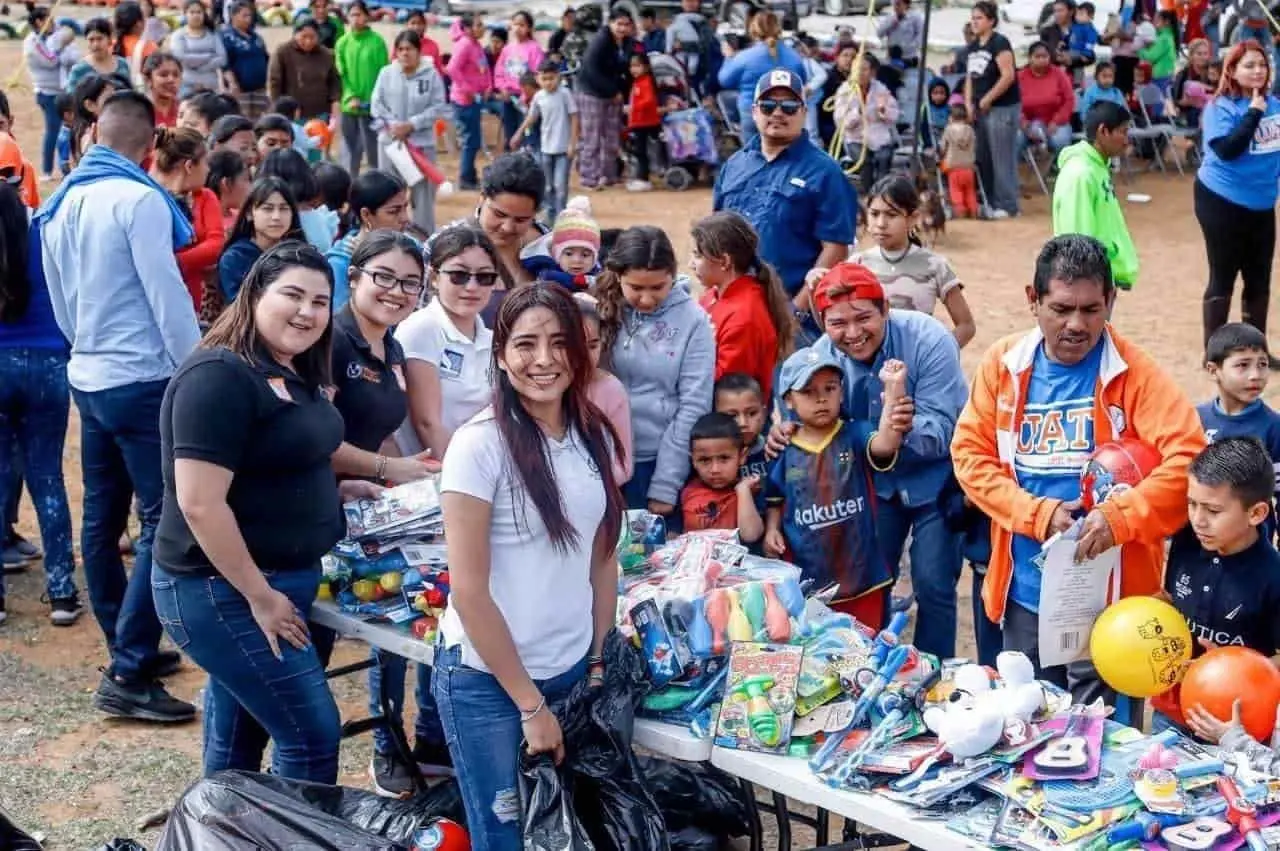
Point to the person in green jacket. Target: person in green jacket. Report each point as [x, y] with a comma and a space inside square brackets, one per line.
[1084, 198]
[1163, 52]
[360, 54]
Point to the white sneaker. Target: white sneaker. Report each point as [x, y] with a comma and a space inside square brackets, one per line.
[639, 186]
[47, 178]
[998, 214]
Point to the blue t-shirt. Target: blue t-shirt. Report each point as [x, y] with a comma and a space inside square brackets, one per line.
[829, 511]
[1256, 420]
[1250, 179]
[1054, 442]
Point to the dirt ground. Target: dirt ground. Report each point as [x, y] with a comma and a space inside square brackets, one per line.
[78, 779]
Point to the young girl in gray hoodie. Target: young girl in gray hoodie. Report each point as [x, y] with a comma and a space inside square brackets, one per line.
[659, 343]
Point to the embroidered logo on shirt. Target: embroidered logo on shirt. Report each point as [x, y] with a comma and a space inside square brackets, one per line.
[279, 388]
[1182, 588]
[353, 370]
[1231, 615]
[450, 364]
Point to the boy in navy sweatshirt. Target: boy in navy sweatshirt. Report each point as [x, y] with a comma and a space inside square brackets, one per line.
[1237, 361]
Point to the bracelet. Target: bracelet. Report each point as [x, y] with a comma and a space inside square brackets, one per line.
[871, 458]
[526, 717]
[380, 467]
[596, 675]
[592, 661]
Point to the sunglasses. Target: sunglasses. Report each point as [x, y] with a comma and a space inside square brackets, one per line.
[462, 277]
[768, 106]
[387, 281]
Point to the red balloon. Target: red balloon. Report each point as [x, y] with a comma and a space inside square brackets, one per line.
[1114, 467]
[1222, 675]
[442, 835]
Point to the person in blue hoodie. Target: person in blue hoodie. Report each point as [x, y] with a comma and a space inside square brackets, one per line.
[1103, 88]
[745, 68]
[658, 341]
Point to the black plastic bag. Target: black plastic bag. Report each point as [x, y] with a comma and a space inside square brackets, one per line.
[694, 839]
[691, 794]
[14, 837]
[235, 809]
[547, 815]
[119, 844]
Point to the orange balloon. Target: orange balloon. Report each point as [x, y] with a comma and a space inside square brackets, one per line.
[318, 129]
[1223, 675]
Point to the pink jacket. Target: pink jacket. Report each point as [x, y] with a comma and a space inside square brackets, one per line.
[514, 60]
[468, 69]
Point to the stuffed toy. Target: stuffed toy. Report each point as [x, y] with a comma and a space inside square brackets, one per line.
[979, 712]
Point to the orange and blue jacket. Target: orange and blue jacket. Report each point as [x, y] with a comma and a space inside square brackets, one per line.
[1134, 398]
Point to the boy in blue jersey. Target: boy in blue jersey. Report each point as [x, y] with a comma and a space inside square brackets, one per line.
[1237, 361]
[820, 499]
[739, 395]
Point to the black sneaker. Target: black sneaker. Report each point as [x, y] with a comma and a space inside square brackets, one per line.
[64, 611]
[147, 701]
[391, 777]
[433, 759]
[165, 663]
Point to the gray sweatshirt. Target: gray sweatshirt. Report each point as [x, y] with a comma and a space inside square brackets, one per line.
[49, 57]
[1250, 751]
[418, 99]
[202, 58]
[667, 362]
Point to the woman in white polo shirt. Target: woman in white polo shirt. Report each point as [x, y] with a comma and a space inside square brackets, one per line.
[447, 348]
[531, 516]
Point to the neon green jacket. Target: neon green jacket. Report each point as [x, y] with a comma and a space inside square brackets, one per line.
[1162, 54]
[359, 57]
[1084, 201]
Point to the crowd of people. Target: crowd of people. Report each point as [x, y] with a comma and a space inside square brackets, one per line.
[258, 337]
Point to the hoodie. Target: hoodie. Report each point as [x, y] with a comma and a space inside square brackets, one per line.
[1162, 54]
[1084, 201]
[49, 58]
[360, 56]
[666, 360]
[515, 59]
[1096, 93]
[468, 68]
[418, 98]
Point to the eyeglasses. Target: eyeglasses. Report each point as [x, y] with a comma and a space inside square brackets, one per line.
[462, 277]
[769, 105]
[387, 281]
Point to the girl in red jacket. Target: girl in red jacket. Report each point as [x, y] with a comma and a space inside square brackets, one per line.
[644, 119]
[181, 165]
[750, 313]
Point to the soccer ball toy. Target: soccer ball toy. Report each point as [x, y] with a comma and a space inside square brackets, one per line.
[1115, 467]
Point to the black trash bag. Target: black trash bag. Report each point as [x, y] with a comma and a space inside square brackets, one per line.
[547, 816]
[118, 844]
[15, 838]
[694, 839]
[233, 809]
[610, 793]
[691, 794]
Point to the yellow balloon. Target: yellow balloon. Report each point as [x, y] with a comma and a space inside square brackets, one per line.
[1140, 646]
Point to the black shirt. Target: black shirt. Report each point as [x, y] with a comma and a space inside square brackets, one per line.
[276, 435]
[981, 66]
[605, 72]
[368, 392]
[1229, 600]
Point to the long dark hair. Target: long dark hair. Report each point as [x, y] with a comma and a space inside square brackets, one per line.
[370, 191]
[377, 243]
[236, 329]
[524, 439]
[263, 189]
[454, 240]
[127, 16]
[641, 247]
[727, 234]
[15, 284]
[900, 193]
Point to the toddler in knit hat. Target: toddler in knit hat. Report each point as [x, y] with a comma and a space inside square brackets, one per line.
[575, 245]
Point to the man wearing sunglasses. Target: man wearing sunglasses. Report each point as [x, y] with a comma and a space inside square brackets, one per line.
[791, 191]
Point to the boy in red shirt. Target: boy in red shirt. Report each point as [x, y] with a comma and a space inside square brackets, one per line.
[718, 497]
[644, 119]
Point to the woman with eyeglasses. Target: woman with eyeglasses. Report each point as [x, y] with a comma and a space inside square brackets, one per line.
[379, 200]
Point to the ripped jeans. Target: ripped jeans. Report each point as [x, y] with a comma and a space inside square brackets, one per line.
[483, 731]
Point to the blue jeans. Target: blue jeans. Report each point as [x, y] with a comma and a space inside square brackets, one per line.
[120, 457]
[1056, 141]
[556, 168]
[389, 678]
[511, 118]
[34, 403]
[252, 696]
[482, 728]
[636, 490]
[52, 124]
[935, 568]
[469, 128]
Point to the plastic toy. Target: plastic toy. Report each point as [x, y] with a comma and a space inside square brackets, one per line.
[1201, 834]
[716, 613]
[1144, 826]
[739, 626]
[777, 620]
[1223, 675]
[761, 717]
[752, 603]
[1116, 467]
[1241, 814]
[1140, 646]
[975, 722]
[441, 835]
[879, 679]
[1069, 751]
[318, 129]
[759, 704]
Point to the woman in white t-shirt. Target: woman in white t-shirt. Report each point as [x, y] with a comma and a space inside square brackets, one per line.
[531, 516]
[447, 348]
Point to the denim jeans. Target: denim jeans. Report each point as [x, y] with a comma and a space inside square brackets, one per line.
[482, 728]
[511, 118]
[34, 403]
[1055, 141]
[636, 490]
[389, 679]
[998, 156]
[120, 457]
[52, 124]
[360, 141]
[469, 129]
[252, 696]
[556, 169]
[935, 568]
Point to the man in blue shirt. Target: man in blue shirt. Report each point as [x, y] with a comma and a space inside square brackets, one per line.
[861, 334]
[107, 239]
[793, 194]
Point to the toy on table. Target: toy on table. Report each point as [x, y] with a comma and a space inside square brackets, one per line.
[739, 628]
[1200, 834]
[1226, 674]
[1241, 814]
[759, 702]
[878, 679]
[1140, 646]
[1068, 752]
[975, 720]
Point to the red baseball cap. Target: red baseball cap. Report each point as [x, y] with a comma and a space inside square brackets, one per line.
[850, 282]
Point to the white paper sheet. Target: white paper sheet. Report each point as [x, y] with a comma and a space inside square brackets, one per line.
[1071, 598]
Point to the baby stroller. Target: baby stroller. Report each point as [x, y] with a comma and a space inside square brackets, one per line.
[691, 144]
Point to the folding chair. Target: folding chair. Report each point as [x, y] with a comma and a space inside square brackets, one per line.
[1029, 154]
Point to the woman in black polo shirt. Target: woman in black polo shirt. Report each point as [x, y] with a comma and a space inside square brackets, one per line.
[251, 503]
[994, 103]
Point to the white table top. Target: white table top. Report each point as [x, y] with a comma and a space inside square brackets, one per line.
[383, 636]
[792, 777]
[670, 741]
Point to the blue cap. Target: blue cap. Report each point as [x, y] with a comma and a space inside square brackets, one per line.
[779, 78]
[798, 370]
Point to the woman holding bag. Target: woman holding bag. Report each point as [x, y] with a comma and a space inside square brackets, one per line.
[408, 97]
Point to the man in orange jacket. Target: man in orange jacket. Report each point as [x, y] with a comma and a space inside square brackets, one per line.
[1040, 403]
